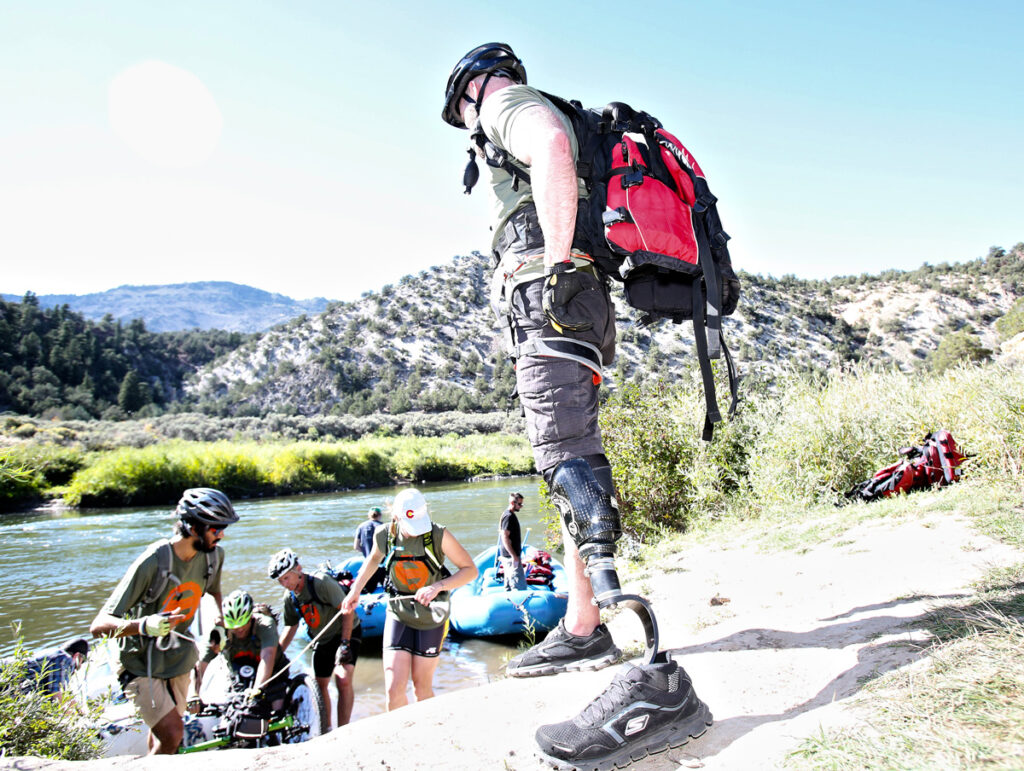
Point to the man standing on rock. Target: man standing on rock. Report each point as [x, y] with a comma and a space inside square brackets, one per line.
[561, 324]
[158, 596]
[510, 544]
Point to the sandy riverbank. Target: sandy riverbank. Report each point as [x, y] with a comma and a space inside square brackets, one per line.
[795, 638]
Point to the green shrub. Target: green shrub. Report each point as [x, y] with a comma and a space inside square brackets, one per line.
[1013, 322]
[18, 484]
[666, 476]
[35, 724]
[53, 462]
[957, 347]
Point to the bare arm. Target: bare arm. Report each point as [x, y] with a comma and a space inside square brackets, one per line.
[370, 565]
[541, 142]
[266, 667]
[288, 635]
[347, 620]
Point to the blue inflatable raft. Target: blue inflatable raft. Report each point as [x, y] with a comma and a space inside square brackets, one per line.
[371, 606]
[482, 608]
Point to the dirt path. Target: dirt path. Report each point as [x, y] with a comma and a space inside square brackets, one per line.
[797, 637]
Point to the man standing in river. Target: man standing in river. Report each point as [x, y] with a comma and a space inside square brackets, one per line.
[152, 607]
[363, 543]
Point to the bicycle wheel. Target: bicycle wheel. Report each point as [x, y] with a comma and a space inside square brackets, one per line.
[306, 704]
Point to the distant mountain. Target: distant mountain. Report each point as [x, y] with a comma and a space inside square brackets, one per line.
[198, 305]
[431, 343]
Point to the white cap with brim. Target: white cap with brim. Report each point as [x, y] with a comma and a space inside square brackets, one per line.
[410, 509]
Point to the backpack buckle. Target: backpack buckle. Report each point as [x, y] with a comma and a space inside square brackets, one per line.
[615, 216]
[633, 177]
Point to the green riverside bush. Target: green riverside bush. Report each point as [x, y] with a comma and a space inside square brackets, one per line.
[33, 723]
[18, 483]
[158, 473]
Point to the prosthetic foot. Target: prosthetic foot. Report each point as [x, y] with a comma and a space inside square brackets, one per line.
[585, 499]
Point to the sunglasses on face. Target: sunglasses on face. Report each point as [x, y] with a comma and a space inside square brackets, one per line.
[217, 530]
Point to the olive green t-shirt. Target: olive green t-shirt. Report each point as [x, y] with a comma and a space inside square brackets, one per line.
[247, 649]
[181, 596]
[318, 610]
[409, 575]
[498, 119]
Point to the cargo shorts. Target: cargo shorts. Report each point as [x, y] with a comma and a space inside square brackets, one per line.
[155, 697]
[559, 396]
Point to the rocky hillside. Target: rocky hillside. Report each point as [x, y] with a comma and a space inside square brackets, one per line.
[431, 343]
[197, 305]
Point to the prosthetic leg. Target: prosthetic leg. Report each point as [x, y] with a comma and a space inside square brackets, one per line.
[583, 493]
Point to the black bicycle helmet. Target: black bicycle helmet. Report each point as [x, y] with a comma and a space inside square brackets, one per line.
[488, 59]
[206, 506]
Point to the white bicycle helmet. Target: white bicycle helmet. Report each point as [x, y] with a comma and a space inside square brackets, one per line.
[206, 506]
[237, 609]
[281, 563]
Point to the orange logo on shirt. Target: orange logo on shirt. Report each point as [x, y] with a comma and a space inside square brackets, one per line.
[411, 575]
[311, 614]
[184, 598]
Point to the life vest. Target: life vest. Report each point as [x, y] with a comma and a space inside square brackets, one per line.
[406, 573]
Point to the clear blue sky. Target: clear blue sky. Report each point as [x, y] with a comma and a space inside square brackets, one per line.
[307, 156]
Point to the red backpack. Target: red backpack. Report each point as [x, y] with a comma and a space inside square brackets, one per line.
[936, 461]
[650, 221]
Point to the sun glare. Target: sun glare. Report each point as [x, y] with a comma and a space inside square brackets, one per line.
[165, 114]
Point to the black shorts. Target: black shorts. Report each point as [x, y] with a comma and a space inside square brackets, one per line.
[325, 654]
[419, 642]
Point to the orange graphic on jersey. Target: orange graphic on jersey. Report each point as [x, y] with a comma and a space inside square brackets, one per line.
[411, 575]
[311, 614]
[184, 598]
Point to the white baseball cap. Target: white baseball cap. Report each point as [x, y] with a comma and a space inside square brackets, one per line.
[410, 509]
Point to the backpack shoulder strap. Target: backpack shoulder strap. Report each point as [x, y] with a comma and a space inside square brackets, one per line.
[212, 563]
[389, 546]
[163, 573]
[430, 550]
[311, 580]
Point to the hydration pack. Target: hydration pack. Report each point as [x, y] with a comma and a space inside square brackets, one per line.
[649, 221]
[936, 461]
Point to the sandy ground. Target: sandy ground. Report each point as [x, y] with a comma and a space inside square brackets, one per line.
[797, 637]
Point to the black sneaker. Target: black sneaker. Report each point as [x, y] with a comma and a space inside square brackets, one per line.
[562, 651]
[644, 710]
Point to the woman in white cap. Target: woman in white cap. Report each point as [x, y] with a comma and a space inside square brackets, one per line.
[413, 550]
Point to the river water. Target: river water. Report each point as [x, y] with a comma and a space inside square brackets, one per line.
[58, 567]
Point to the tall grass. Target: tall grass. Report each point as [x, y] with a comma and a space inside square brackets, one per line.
[802, 440]
[158, 473]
